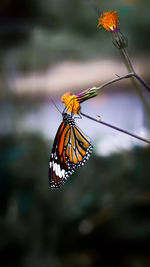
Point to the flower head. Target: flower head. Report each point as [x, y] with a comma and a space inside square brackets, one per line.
[109, 21]
[72, 102]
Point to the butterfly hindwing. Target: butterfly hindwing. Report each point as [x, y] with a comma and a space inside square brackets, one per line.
[78, 147]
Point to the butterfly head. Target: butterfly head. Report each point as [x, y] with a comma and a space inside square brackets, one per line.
[68, 118]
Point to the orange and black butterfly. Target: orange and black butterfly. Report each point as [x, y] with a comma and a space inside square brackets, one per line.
[71, 149]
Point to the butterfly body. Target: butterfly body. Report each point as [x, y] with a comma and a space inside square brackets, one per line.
[71, 149]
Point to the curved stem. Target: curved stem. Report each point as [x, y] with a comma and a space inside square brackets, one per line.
[116, 128]
[142, 81]
[129, 75]
[130, 68]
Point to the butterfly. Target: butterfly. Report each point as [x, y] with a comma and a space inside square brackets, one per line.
[71, 149]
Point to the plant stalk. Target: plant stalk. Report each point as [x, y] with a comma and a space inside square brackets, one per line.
[116, 128]
[130, 68]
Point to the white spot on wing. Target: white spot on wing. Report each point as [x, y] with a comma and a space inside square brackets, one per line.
[56, 169]
[59, 172]
[63, 173]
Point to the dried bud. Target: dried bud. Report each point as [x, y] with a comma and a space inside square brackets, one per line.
[119, 40]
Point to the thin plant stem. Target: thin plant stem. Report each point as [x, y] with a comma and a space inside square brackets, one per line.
[127, 60]
[142, 81]
[129, 75]
[92, 92]
[130, 68]
[116, 128]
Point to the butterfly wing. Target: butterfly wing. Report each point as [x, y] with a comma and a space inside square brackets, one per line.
[71, 149]
[58, 164]
[78, 147]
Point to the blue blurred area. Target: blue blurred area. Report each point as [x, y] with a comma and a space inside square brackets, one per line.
[101, 215]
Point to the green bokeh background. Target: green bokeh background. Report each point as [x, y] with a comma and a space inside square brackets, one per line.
[101, 217]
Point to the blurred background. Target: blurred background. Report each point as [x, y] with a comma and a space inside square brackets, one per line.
[102, 214]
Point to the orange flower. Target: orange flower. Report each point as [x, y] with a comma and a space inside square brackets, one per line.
[109, 21]
[71, 102]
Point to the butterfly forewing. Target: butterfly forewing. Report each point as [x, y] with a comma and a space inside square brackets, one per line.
[71, 149]
[58, 164]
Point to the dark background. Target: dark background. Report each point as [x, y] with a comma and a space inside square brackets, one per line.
[101, 216]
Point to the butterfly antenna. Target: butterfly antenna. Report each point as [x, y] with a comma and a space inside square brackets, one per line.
[67, 107]
[72, 110]
[55, 105]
